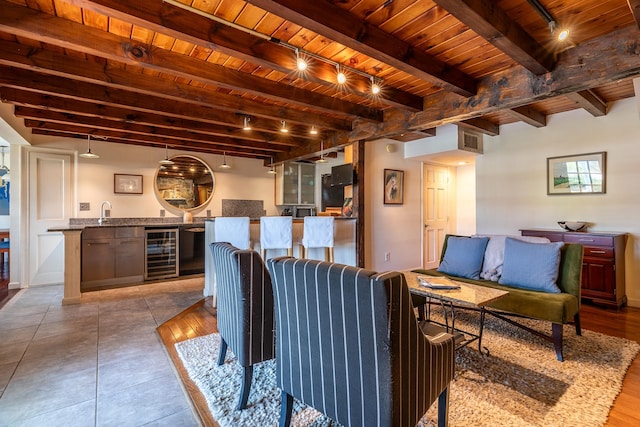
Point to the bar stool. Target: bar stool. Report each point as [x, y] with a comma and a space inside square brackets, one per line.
[318, 233]
[276, 233]
[234, 230]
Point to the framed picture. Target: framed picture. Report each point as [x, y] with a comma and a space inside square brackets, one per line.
[577, 174]
[393, 187]
[127, 184]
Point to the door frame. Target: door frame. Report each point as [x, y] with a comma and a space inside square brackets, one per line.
[449, 205]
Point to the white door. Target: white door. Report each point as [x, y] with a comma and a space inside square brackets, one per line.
[50, 204]
[435, 183]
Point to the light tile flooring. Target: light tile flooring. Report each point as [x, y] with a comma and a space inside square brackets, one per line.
[98, 363]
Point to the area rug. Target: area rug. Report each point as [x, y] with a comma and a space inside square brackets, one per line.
[519, 384]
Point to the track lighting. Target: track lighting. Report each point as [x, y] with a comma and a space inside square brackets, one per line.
[89, 154]
[561, 34]
[340, 77]
[283, 128]
[166, 161]
[224, 164]
[246, 123]
[375, 87]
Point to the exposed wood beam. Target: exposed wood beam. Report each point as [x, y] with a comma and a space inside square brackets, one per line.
[634, 5]
[412, 136]
[207, 125]
[529, 115]
[197, 29]
[339, 25]
[481, 125]
[71, 35]
[579, 68]
[492, 23]
[29, 80]
[589, 101]
[181, 136]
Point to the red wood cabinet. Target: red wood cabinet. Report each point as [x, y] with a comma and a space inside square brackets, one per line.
[603, 268]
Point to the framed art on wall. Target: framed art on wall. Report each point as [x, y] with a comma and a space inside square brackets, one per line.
[577, 174]
[127, 184]
[393, 187]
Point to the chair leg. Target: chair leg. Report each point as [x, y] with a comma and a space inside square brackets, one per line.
[222, 353]
[443, 408]
[576, 320]
[556, 331]
[247, 375]
[286, 406]
[330, 250]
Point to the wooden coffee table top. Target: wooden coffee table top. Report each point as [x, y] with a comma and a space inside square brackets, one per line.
[468, 293]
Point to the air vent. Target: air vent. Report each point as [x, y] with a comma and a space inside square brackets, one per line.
[469, 140]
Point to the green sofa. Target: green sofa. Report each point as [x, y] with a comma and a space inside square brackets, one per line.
[557, 308]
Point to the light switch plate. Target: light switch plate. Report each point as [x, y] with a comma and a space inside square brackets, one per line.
[85, 206]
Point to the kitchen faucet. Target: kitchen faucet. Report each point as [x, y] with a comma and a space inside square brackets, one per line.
[102, 218]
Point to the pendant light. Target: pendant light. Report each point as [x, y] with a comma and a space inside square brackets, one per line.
[322, 159]
[166, 161]
[89, 154]
[224, 164]
[272, 171]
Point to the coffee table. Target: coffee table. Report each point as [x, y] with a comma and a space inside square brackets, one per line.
[471, 297]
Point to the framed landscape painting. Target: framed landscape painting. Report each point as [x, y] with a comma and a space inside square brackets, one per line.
[127, 184]
[577, 174]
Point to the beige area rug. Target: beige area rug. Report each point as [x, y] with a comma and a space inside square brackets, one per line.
[520, 384]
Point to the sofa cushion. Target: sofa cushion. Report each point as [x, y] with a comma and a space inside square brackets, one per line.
[531, 265]
[463, 256]
[494, 254]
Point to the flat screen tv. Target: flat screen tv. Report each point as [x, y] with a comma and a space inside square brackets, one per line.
[342, 174]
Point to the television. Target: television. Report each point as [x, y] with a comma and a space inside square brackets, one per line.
[342, 174]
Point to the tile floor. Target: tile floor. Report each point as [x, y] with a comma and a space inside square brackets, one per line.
[98, 363]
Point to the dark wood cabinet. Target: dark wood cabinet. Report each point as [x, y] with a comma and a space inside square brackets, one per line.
[603, 270]
[112, 256]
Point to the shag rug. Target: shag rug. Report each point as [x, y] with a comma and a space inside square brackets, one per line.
[519, 384]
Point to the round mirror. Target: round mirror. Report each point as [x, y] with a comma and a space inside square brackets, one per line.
[185, 185]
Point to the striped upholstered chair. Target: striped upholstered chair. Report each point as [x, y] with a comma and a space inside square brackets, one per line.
[245, 309]
[349, 345]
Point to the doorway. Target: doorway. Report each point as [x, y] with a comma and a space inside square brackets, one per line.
[435, 212]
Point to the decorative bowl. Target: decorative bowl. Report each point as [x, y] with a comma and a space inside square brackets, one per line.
[573, 225]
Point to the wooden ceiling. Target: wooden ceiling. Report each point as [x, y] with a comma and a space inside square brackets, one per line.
[185, 74]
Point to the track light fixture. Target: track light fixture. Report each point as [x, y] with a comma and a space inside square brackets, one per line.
[375, 86]
[313, 130]
[341, 78]
[561, 34]
[89, 154]
[246, 124]
[166, 161]
[224, 164]
[283, 128]
[301, 63]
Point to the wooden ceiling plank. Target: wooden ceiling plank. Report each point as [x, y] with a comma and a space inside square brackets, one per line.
[591, 102]
[493, 24]
[20, 20]
[179, 23]
[529, 115]
[634, 5]
[613, 56]
[339, 25]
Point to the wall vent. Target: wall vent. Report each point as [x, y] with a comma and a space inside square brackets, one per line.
[469, 140]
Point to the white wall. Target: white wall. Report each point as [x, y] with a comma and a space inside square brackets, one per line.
[511, 178]
[465, 199]
[246, 179]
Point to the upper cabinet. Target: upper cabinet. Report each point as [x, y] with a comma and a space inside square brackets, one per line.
[295, 184]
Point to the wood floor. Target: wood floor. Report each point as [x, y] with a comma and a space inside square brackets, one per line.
[200, 320]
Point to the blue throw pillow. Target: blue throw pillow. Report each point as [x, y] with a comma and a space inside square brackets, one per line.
[531, 265]
[463, 256]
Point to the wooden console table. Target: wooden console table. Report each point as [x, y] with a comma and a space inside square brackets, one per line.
[603, 268]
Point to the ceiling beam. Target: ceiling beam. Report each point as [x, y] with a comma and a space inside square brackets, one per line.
[491, 23]
[579, 68]
[634, 5]
[481, 125]
[71, 35]
[589, 101]
[200, 30]
[206, 125]
[337, 24]
[529, 115]
[54, 85]
[412, 136]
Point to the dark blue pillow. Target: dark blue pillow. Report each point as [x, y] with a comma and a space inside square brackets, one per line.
[531, 265]
[463, 256]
